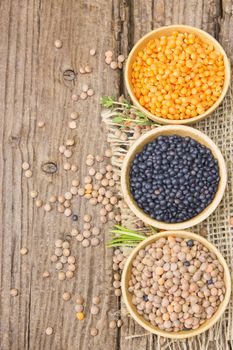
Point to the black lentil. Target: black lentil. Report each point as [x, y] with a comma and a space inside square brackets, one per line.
[75, 217]
[190, 243]
[174, 178]
[210, 281]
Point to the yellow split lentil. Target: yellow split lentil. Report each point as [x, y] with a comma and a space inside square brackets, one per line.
[80, 316]
[178, 76]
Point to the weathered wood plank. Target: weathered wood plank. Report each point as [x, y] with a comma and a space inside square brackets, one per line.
[32, 89]
[226, 26]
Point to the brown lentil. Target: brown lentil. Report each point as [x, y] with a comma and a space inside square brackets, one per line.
[69, 274]
[49, 331]
[61, 276]
[58, 44]
[95, 241]
[34, 194]
[23, 251]
[74, 115]
[39, 203]
[66, 166]
[95, 310]
[85, 243]
[14, 292]
[94, 332]
[112, 324]
[66, 296]
[96, 300]
[45, 274]
[170, 266]
[28, 173]
[25, 166]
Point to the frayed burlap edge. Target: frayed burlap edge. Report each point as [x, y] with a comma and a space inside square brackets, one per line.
[219, 127]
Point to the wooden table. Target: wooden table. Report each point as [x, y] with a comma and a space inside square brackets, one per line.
[32, 89]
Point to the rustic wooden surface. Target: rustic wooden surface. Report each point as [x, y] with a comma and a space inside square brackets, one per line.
[32, 88]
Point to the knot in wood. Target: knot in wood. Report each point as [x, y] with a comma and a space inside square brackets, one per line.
[69, 75]
[49, 167]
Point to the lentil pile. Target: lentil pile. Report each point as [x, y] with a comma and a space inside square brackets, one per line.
[176, 283]
[174, 178]
[178, 76]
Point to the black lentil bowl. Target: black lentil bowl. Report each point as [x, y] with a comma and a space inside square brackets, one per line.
[173, 177]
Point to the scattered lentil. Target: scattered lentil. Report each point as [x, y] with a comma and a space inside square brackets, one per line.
[47, 207]
[41, 124]
[25, 166]
[73, 125]
[96, 300]
[113, 65]
[46, 274]
[68, 153]
[74, 97]
[90, 92]
[95, 241]
[112, 324]
[68, 212]
[74, 168]
[66, 166]
[28, 173]
[58, 44]
[94, 332]
[88, 69]
[69, 274]
[121, 58]
[66, 296]
[80, 316]
[83, 95]
[79, 300]
[49, 330]
[52, 199]
[14, 292]
[23, 251]
[61, 199]
[71, 259]
[74, 115]
[85, 243]
[61, 276]
[87, 218]
[34, 194]
[92, 52]
[95, 310]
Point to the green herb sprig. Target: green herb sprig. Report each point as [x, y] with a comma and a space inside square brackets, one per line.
[124, 237]
[123, 111]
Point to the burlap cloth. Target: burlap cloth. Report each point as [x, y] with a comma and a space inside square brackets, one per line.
[219, 127]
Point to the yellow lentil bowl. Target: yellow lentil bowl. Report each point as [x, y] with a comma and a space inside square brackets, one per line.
[178, 75]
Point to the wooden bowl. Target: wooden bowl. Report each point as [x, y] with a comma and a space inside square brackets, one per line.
[127, 296]
[150, 136]
[167, 31]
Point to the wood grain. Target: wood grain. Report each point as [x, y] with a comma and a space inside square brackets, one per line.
[32, 89]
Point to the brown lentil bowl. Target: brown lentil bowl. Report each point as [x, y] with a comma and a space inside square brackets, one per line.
[157, 33]
[127, 296]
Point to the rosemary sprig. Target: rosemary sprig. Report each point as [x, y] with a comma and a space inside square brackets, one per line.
[124, 237]
[124, 111]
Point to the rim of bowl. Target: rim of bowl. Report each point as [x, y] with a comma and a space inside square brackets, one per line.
[161, 120]
[138, 146]
[128, 296]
